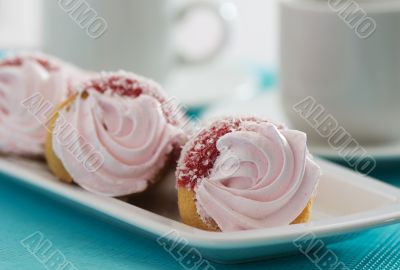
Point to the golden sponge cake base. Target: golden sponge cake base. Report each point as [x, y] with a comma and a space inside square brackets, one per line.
[55, 165]
[189, 215]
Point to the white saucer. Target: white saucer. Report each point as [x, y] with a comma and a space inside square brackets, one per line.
[381, 152]
[269, 105]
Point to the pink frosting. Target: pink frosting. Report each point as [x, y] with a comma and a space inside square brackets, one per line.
[263, 177]
[131, 136]
[35, 80]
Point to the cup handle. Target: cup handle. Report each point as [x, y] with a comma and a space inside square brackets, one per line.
[224, 12]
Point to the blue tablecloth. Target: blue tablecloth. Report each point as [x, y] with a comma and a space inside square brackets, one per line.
[89, 242]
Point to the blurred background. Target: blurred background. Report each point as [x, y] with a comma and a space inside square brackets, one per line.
[250, 55]
[237, 57]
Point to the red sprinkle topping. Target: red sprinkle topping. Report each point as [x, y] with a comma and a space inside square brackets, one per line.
[197, 162]
[18, 61]
[126, 84]
[200, 158]
[120, 85]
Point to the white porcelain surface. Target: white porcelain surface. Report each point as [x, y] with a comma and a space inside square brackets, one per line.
[135, 35]
[355, 79]
[346, 202]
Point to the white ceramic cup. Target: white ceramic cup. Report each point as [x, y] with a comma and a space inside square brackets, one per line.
[121, 34]
[355, 76]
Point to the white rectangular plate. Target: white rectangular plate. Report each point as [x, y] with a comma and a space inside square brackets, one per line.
[346, 202]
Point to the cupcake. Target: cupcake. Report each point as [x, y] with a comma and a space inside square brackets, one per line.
[29, 86]
[245, 173]
[115, 136]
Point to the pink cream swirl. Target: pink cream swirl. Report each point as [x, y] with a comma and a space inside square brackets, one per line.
[263, 177]
[131, 134]
[29, 87]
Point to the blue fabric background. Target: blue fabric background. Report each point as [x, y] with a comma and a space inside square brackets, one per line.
[91, 242]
